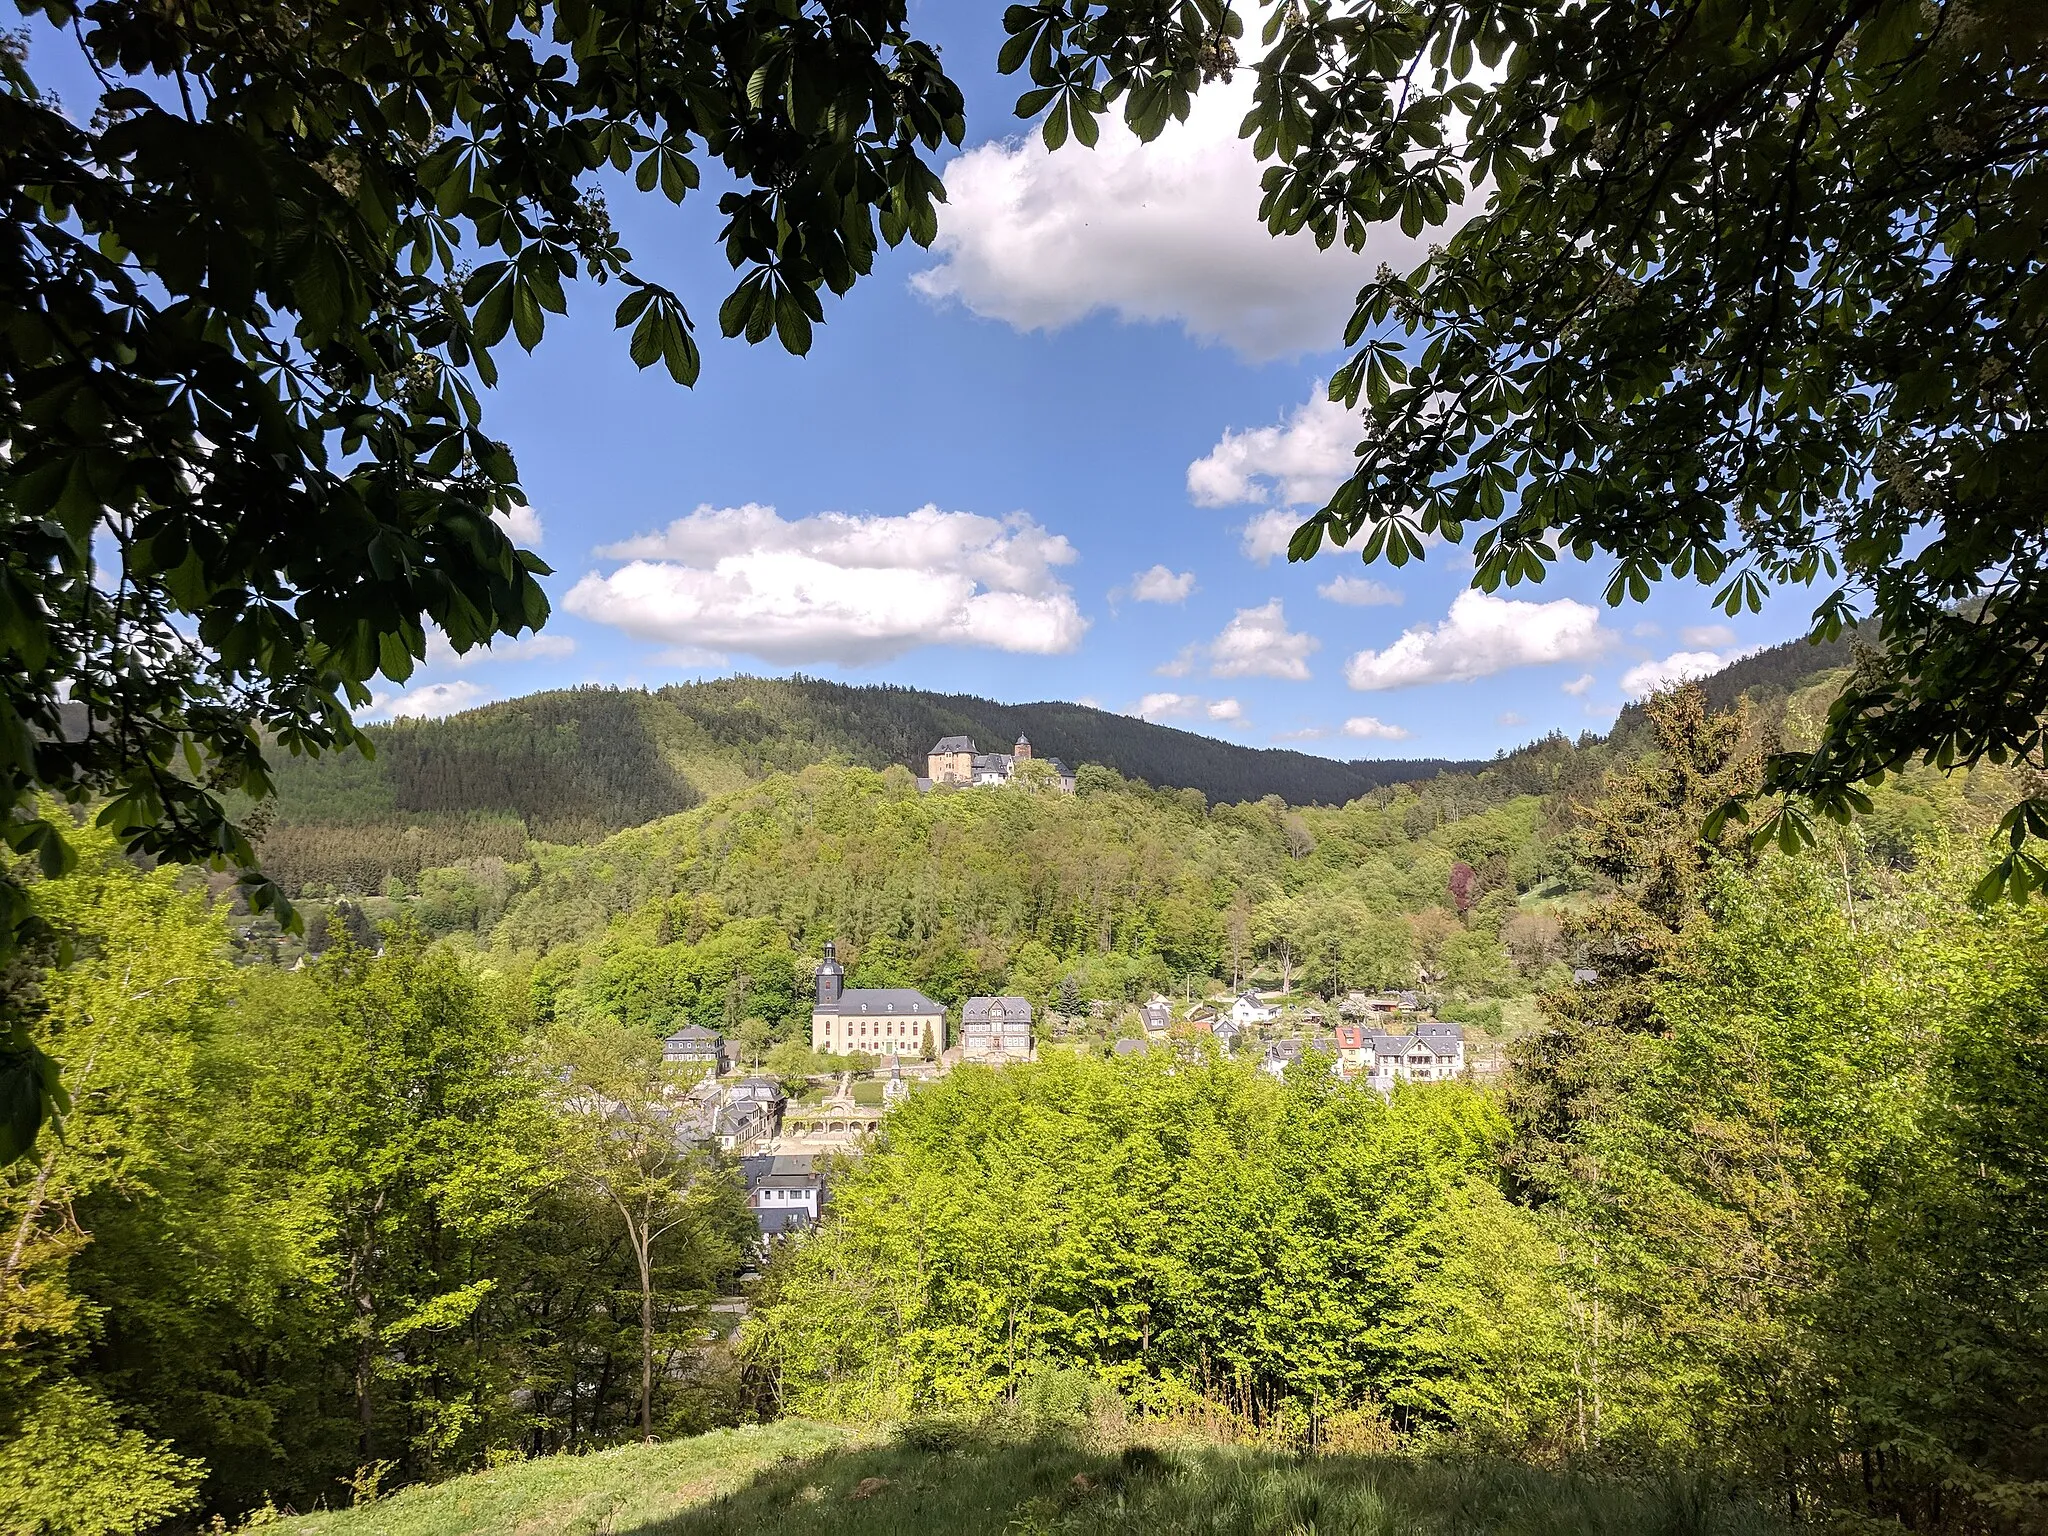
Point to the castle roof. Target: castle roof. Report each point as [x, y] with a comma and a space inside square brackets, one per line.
[952, 744]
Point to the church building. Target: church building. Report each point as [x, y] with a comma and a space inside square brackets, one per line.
[879, 1021]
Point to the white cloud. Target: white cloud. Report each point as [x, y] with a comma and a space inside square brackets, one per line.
[1266, 535]
[838, 587]
[1165, 706]
[1482, 635]
[1258, 643]
[1306, 733]
[690, 658]
[540, 647]
[1299, 463]
[1166, 231]
[1186, 706]
[1162, 585]
[521, 525]
[429, 699]
[1360, 592]
[1509, 717]
[1706, 637]
[1369, 729]
[1647, 630]
[1650, 676]
[1578, 686]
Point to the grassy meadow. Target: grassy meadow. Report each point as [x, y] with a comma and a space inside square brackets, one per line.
[804, 1478]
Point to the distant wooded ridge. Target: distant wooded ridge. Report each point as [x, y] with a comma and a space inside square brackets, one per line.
[597, 758]
[573, 765]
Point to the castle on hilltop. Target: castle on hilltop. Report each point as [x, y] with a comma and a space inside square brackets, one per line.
[956, 761]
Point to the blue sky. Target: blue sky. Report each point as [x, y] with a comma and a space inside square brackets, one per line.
[1106, 369]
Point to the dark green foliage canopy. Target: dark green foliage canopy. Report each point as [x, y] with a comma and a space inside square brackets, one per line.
[244, 311]
[1746, 293]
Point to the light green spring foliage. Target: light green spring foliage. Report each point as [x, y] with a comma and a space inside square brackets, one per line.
[1805, 1229]
[1179, 1230]
[1796, 1231]
[299, 1225]
[70, 1467]
[135, 1017]
[1123, 889]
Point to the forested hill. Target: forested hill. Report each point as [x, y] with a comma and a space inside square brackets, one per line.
[572, 765]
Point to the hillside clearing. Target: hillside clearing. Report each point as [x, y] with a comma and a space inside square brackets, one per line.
[800, 1478]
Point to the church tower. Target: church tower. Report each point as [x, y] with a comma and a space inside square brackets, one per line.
[831, 977]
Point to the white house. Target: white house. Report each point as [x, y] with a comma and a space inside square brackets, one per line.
[1433, 1054]
[1248, 1011]
[786, 1194]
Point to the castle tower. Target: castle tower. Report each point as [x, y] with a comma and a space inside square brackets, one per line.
[1023, 751]
[831, 977]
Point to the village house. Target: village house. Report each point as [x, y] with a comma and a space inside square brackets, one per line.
[751, 1114]
[995, 1028]
[1433, 1054]
[786, 1193]
[694, 1044]
[1354, 1049]
[1248, 1011]
[1281, 1055]
[874, 1021]
[956, 761]
[1156, 1016]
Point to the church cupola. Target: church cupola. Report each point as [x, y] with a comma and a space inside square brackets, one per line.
[831, 978]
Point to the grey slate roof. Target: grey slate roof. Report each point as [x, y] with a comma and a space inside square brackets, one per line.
[952, 744]
[758, 1169]
[883, 1000]
[697, 1034]
[1131, 1047]
[976, 1009]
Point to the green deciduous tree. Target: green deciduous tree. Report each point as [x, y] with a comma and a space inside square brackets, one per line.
[249, 302]
[1173, 1229]
[395, 1103]
[621, 1129]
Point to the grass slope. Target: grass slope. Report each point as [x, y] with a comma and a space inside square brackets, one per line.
[804, 1479]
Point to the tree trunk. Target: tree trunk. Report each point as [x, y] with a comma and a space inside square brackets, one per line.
[30, 1212]
[640, 1244]
[361, 1268]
